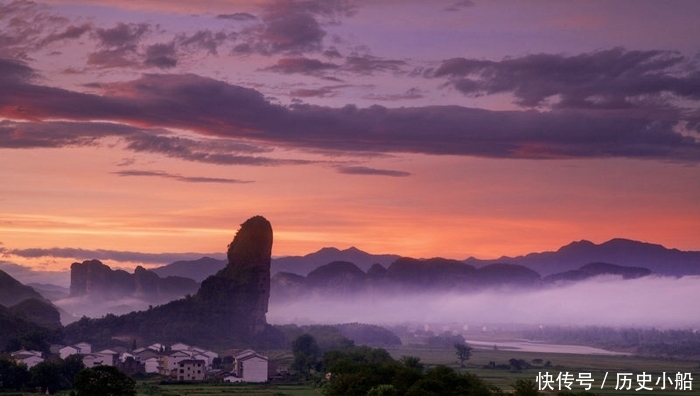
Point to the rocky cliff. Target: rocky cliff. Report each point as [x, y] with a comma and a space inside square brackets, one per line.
[243, 286]
[97, 280]
[229, 310]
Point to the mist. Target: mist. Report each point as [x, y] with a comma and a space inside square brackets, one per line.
[652, 301]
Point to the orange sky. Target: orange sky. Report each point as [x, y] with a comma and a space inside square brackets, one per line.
[155, 130]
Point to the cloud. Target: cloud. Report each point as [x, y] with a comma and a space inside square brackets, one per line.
[188, 179]
[71, 32]
[413, 93]
[614, 79]
[239, 16]
[205, 39]
[25, 135]
[120, 46]
[220, 110]
[367, 64]
[123, 35]
[363, 170]
[161, 55]
[14, 72]
[102, 254]
[301, 65]
[459, 5]
[323, 92]
[293, 27]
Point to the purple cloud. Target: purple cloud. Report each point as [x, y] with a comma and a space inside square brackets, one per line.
[123, 35]
[301, 65]
[218, 109]
[69, 33]
[293, 27]
[205, 39]
[161, 55]
[368, 65]
[363, 170]
[613, 79]
[188, 179]
[102, 254]
[239, 16]
[459, 5]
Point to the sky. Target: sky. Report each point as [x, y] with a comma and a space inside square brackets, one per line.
[144, 132]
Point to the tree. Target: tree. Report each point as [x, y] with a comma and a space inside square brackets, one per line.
[525, 387]
[13, 375]
[412, 362]
[383, 390]
[463, 351]
[104, 381]
[47, 376]
[71, 366]
[306, 353]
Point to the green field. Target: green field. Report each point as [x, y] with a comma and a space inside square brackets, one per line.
[478, 364]
[597, 365]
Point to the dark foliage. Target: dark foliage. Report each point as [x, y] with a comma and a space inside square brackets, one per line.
[365, 371]
[18, 332]
[366, 334]
[12, 375]
[104, 381]
[306, 354]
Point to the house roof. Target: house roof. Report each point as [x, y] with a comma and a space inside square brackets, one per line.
[249, 356]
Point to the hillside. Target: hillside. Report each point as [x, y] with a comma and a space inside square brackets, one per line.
[624, 252]
[14, 292]
[228, 310]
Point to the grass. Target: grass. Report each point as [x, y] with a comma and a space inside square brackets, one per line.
[597, 365]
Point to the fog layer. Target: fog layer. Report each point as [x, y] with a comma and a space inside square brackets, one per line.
[664, 302]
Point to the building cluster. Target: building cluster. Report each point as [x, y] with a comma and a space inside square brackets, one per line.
[180, 362]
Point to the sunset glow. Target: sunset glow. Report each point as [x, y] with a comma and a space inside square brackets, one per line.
[147, 133]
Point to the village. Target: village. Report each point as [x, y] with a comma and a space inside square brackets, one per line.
[175, 362]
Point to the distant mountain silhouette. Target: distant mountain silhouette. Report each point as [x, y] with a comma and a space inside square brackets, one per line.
[405, 275]
[341, 276]
[24, 314]
[40, 312]
[49, 291]
[302, 265]
[98, 281]
[14, 292]
[596, 269]
[625, 252]
[198, 270]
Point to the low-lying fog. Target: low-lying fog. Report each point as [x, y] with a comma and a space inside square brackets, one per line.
[663, 302]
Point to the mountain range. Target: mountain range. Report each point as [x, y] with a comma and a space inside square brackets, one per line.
[623, 252]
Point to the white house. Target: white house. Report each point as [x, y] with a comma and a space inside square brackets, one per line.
[84, 347]
[92, 359]
[168, 363]
[109, 357]
[191, 370]
[68, 350]
[151, 365]
[29, 358]
[179, 346]
[81, 348]
[251, 367]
